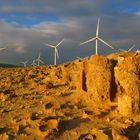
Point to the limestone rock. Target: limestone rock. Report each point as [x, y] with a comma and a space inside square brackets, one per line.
[73, 74]
[98, 77]
[127, 76]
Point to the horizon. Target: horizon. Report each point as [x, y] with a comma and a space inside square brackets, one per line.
[26, 25]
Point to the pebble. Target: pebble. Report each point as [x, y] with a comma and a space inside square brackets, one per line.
[129, 121]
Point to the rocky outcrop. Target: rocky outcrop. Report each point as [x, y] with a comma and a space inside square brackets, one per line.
[127, 75]
[114, 78]
[98, 73]
[108, 79]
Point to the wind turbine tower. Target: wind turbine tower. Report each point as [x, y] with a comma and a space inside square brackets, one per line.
[97, 39]
[56, 55]
[39, 60]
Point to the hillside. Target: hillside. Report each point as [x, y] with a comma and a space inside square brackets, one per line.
[97, 98]
[3, 65]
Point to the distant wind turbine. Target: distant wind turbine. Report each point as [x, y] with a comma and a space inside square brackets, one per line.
[33, 63]
[55, 50]
[78, 57]
[39, 60]
[97, 38]
[25, 63]
[128, 49]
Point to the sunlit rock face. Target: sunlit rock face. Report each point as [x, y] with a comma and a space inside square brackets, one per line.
[98, 73]
[109, 79]
[127, 76]
[114, 78]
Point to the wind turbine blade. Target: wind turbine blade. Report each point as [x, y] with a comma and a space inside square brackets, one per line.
[49, 45]
[131, 48]
[92, 39]
[122, 50]
[105, 43]
[39, 55]
[26, 61]
[97, 30]
[60, 42]
[41, 61]
[78, 57]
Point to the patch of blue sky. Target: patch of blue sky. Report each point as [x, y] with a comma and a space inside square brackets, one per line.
[28, 20]
[126, 6]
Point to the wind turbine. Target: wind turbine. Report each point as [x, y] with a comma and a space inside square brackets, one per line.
[55, 50]
[25, 63]
[97, 38]
[39, 60]
[80, 58]
[128, 49]
[33, 63]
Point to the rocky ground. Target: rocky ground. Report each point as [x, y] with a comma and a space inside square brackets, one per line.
[96, 98]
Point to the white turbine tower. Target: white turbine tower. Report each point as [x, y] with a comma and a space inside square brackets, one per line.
[97, 38]
[55, 50]
[39, 59]
[25, 63]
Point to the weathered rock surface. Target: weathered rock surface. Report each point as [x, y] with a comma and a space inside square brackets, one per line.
[83, 99]
[98, 73]
[127, 75]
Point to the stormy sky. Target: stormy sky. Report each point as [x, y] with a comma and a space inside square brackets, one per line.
[25, 25]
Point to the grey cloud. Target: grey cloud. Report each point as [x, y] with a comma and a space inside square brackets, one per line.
[22, 43]
[25, 43]
[61, 7]
[77, 23]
